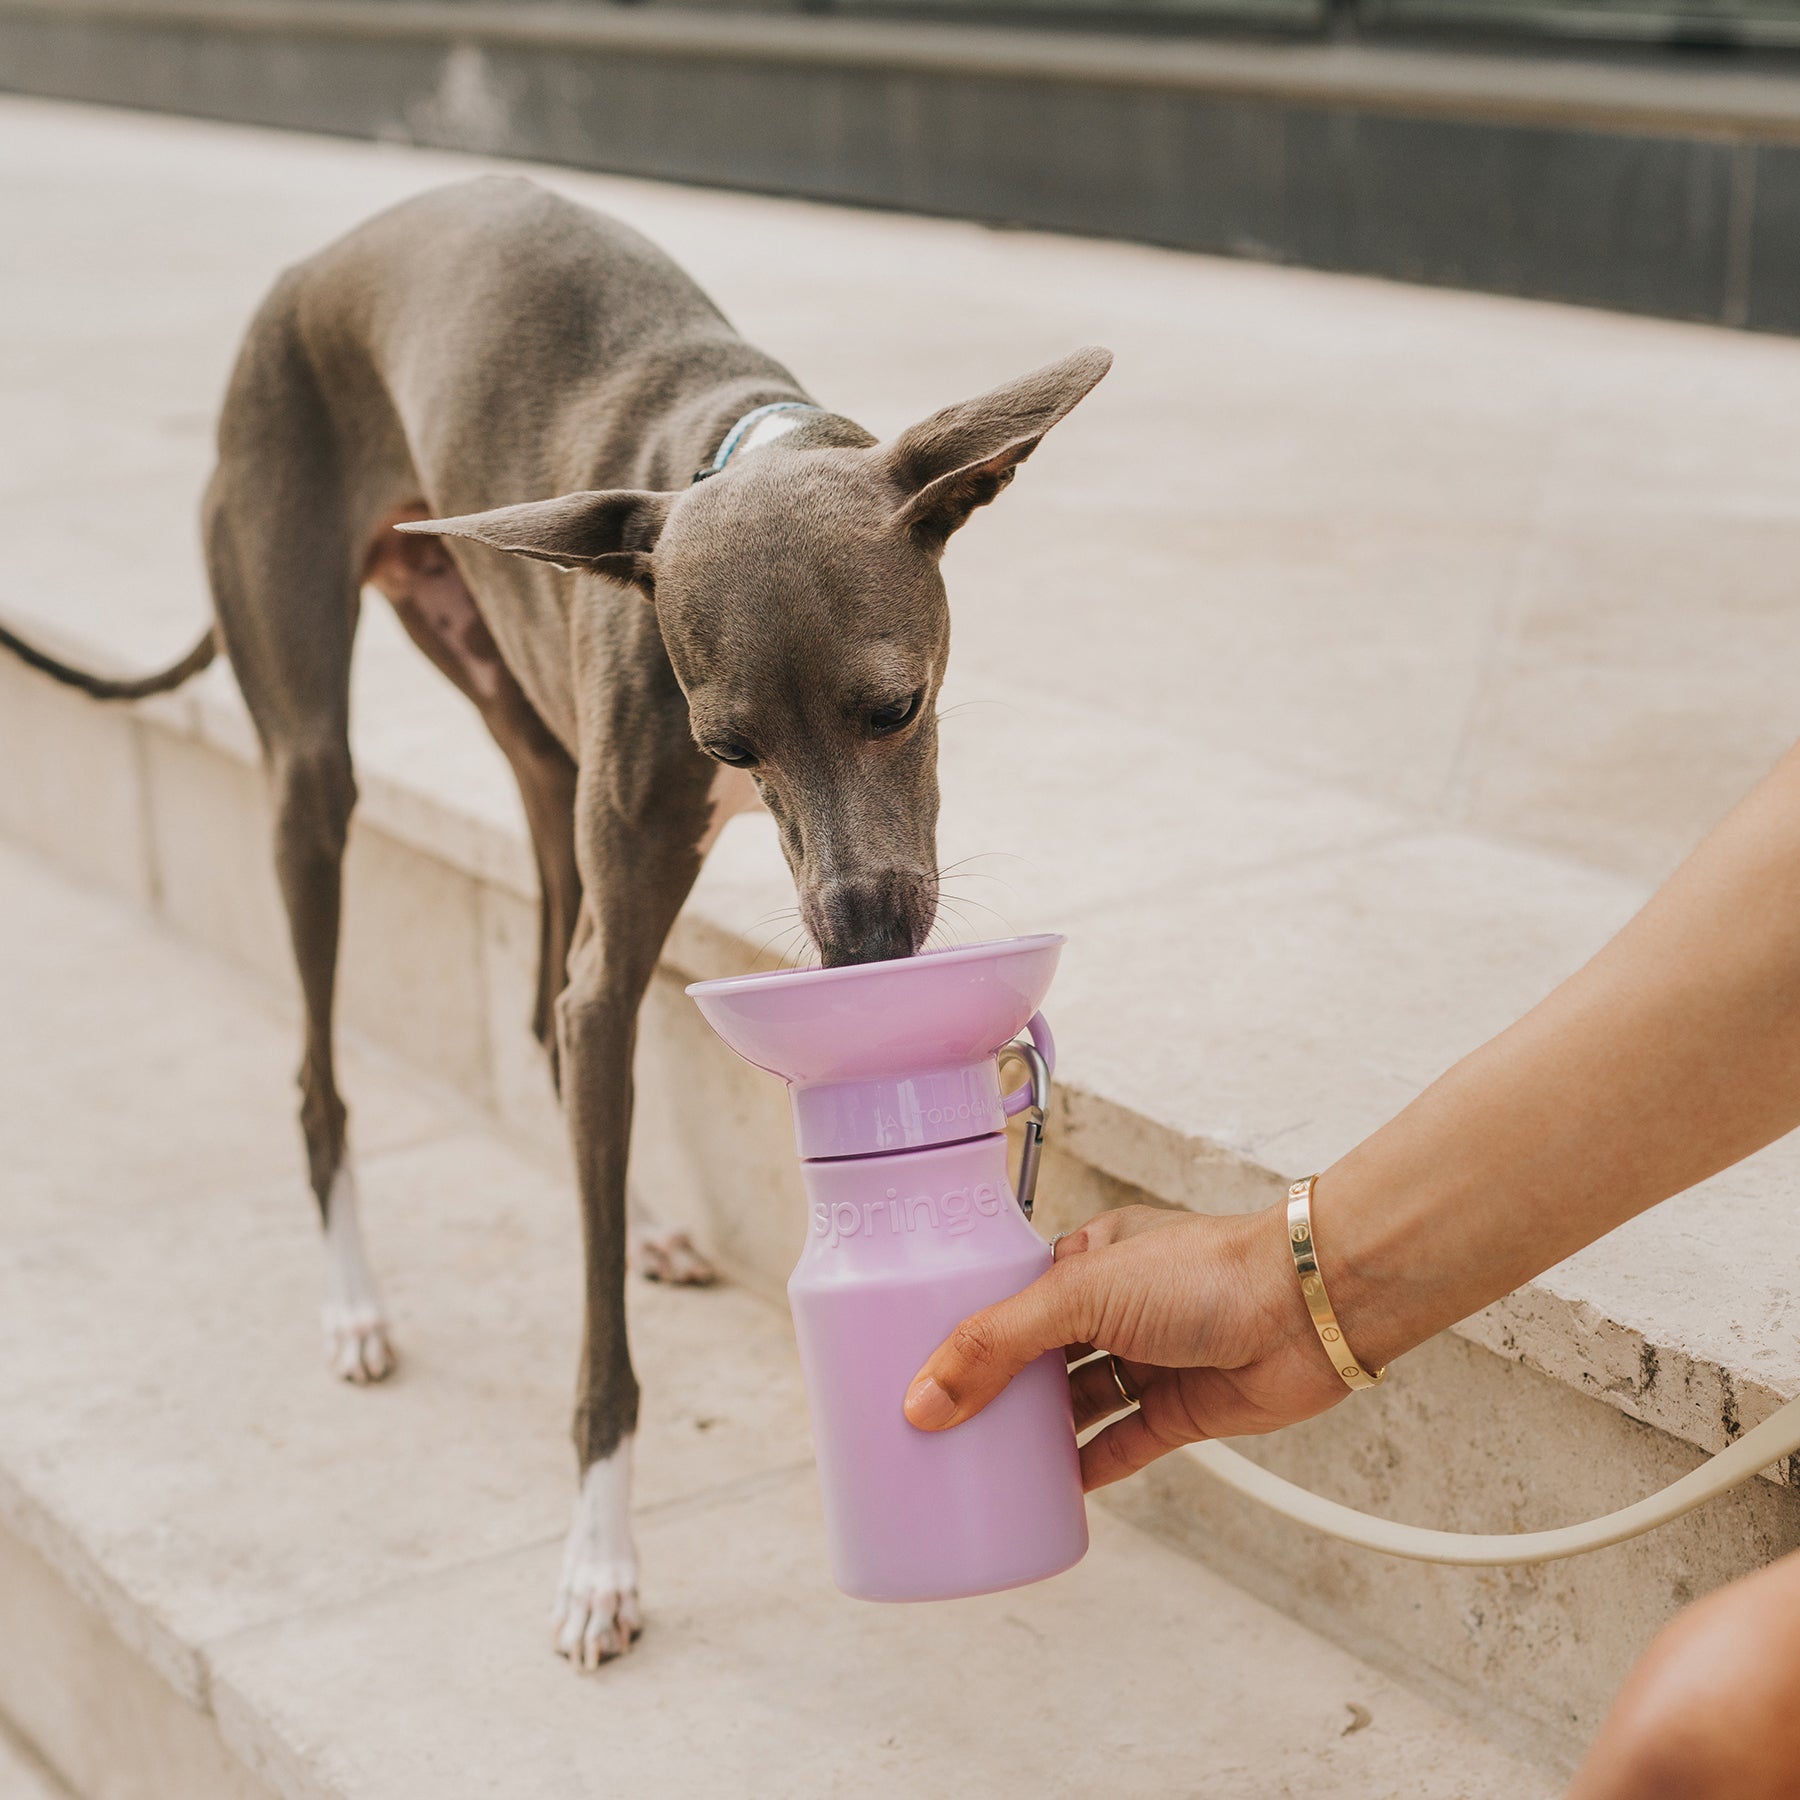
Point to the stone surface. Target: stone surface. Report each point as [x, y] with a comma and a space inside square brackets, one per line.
[23, 1776]
[1459, 1440]
[1132, 1675]
[73, 783]
[1340, 675]
[519, 1072]
[90, 1706]
[221, 1570]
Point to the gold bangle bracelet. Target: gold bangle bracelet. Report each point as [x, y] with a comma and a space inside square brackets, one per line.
[1312, 1289]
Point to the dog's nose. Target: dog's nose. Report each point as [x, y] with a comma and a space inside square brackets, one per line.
[869, 918]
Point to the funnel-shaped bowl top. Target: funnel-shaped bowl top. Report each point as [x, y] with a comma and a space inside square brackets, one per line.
[881, 1020]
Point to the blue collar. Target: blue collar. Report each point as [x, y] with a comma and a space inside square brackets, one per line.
[742, 429]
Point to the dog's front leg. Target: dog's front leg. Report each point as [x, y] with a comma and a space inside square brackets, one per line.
[635, 877]
[596, 1613]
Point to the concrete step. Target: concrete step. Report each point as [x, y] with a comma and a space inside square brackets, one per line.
[1386, 700]
[22, 1773]
[224, 1574]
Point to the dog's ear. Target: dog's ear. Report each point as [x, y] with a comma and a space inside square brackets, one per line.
[609, 532]
[960, 458]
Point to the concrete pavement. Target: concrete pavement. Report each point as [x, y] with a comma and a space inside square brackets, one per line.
[21, 1775]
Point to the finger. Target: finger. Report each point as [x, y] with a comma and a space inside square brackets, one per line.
[984, 1353]
[1178, 1407]
[1127, 1445]
[1095, 1394]
[1077, 1353]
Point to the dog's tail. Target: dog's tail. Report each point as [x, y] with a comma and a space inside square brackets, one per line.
[100, 687]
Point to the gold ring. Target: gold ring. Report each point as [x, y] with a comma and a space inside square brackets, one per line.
[1118, 1375]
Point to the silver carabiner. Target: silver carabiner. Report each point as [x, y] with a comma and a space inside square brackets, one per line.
[1032, 1153]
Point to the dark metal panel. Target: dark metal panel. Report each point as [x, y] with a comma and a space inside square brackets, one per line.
[1608, 217]
[1772, 283]
[1714, 23]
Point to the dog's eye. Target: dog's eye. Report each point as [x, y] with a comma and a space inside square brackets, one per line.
[740, 756]
[884, 721]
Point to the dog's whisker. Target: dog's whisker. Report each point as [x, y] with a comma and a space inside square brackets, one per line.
[762, 944]
[981, 856]
[995, 879]
[948, 893]
[980, 931]
[949, 922]
[779, 916]
[778, 921]
[761, 947]
[957, 933]
[963, 706]
[942, 924]
[782, 936]
[960, 871]
[797, 948]
[957, 902]
[962, 877]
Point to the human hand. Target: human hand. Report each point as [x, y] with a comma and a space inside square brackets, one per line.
[1203, 1314]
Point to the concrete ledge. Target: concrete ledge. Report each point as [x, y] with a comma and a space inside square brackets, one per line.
[23, 1773]
[88, 1702]
[441, 933]
[1669, 190]
[440, 936]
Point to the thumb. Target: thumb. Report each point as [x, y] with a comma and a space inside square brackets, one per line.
[976, 1361]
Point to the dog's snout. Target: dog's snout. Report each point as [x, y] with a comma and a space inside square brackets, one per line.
[869, 918]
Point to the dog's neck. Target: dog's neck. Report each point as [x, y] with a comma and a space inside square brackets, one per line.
[763, 426]
[760, 426]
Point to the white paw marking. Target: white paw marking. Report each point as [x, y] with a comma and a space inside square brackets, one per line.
[596, 1615]
[352, 1316]
[671, 1256]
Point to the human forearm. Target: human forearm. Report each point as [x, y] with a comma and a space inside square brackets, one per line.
[1672, 1054]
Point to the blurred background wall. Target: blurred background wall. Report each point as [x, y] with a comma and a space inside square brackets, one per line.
[1638, 154]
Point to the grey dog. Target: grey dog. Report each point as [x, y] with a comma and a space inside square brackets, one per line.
[732, 593]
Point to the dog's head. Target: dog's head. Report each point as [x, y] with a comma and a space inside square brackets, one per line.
[801, 602]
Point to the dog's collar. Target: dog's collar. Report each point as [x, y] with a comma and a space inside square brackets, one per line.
[747, 427]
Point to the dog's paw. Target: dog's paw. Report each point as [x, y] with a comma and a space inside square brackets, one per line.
[596, 1615]
[671, 1256]
[357, 1346]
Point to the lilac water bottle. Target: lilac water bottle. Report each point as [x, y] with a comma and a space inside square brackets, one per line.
[893, 1072]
